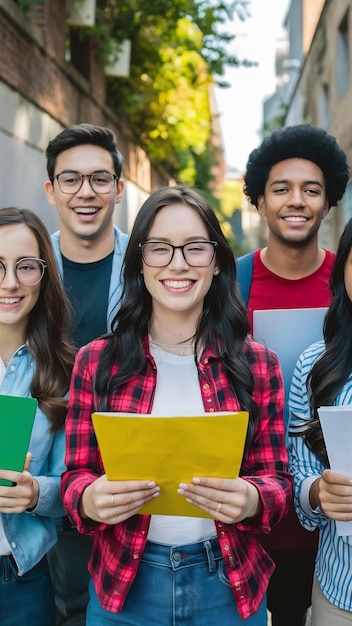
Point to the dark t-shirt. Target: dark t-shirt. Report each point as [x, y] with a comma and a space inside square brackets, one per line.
[87, 287]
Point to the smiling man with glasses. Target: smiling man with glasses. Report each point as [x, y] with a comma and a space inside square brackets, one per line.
[84, 169]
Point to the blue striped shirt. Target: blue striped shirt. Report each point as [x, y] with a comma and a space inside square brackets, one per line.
[334, 557]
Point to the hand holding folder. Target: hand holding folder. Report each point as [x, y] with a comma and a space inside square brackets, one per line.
[171, 450]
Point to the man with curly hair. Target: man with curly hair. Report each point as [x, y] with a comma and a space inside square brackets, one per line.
[293, 178]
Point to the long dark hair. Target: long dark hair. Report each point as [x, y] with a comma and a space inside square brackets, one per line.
[333, 368]
[223, 322]
[48, 325]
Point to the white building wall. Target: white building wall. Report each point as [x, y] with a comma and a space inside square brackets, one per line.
[25, 132]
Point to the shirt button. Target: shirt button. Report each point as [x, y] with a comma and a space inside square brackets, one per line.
[226, 547]
[206, 361]
[206, 386]
[136, 556]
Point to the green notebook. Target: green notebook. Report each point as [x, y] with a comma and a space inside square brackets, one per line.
[16, 423]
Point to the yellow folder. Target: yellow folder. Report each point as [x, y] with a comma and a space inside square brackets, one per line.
[171, 450]
[16, 422]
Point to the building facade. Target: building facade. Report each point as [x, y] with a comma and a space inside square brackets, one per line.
[50, 79]
[319, 90]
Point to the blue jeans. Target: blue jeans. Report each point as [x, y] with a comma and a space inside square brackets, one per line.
[184, 585]
[26, 600]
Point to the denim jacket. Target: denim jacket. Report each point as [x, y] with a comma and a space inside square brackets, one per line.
[32, 534]
[116, 280]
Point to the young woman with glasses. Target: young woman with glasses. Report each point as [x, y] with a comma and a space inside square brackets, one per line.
[35, 361]
[179, 346]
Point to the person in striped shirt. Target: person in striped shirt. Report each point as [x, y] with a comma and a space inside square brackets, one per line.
[323, 377]
[180, 345]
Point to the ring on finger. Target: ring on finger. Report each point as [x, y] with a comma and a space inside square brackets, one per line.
[112, 501]
[219, 507]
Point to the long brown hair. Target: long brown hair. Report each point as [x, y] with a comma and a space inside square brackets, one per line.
[47, 333]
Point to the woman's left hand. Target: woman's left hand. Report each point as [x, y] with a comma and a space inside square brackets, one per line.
[23, 494]
[229, 500]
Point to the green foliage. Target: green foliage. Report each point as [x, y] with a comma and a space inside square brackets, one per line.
[231, 201]
[177, 48]
[231, 197]
[27, 4]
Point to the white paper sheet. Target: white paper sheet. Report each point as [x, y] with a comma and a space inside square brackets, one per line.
[288, 332]
[336, 424]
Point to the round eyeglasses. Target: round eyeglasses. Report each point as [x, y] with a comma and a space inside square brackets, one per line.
[100, 182]
[195, 253]
[28, 271]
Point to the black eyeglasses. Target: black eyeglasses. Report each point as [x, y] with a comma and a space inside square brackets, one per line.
[100, 182]
[160, 254]
[28, 271]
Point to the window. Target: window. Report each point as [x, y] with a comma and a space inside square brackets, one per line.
[324, 107]
[342, 68]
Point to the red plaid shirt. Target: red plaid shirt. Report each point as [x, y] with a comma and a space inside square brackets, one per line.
[117, 550]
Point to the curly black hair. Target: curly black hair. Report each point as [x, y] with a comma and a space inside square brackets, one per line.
[301, 141]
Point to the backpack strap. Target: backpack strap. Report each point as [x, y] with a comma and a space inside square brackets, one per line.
[244, 266]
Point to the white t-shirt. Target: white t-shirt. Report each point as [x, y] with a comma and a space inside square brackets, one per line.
[177, 393]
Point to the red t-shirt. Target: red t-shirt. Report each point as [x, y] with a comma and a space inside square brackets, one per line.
[270, 291]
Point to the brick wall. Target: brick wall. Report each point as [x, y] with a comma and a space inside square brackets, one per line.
[32, 63]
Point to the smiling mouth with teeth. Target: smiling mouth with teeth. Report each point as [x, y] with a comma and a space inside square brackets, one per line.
[9, 300]
[301, 218]
[87, 211]
[177, 284]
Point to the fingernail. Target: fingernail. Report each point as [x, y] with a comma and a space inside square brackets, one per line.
[152, 483]
[196, 481]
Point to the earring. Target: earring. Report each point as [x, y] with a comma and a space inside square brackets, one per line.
[216, 272]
